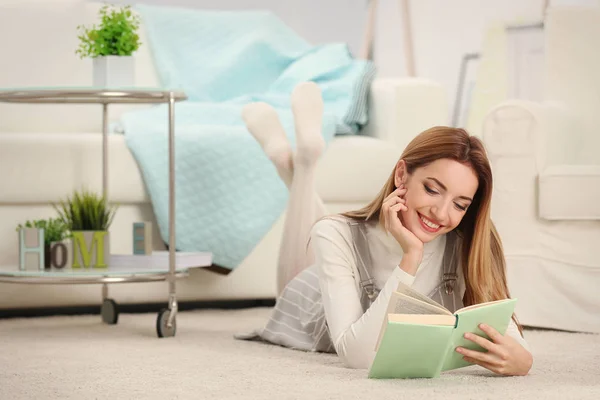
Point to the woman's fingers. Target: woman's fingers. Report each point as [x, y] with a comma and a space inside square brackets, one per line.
[496, 336]
[386, 218]
[394, 201]
[391, 201]
[483, 342]
[487, 358]
[392, 204]
[397, 207]
[400, 191]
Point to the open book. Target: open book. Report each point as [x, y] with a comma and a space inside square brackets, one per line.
[419, 337]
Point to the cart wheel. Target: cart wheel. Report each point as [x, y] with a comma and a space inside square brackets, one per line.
[109, 311]
[161, 324]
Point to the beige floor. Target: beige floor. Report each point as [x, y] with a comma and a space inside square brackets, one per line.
[80, 358]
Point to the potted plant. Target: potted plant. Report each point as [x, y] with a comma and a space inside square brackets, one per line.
[88, 217]
[55, 232]
[111, 46]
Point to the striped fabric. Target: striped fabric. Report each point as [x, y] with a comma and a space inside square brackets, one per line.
[298, 319]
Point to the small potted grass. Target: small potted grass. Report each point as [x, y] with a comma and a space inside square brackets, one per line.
[88, 217]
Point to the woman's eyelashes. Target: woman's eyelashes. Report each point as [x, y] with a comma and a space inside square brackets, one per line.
[433, 192]
[429, 190]
[461, 208]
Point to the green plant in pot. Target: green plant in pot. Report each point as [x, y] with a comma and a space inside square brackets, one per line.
[111, 46]
[88, 217]
[55, 231]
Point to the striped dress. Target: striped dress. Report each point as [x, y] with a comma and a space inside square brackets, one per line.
[298, 318]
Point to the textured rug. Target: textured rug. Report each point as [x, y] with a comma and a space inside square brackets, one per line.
[81, 358]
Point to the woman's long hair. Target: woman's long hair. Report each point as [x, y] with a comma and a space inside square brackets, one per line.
[482, 256]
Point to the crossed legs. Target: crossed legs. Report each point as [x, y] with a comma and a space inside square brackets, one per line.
[296, 169]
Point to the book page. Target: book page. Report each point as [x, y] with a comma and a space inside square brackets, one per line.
[474, 306]
[403, 304]
[409, 305]
[420, 319]
[407, 290]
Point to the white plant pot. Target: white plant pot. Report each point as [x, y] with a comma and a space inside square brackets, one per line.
[114, 71]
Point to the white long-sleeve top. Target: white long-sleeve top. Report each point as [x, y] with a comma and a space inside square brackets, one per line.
[354, 333]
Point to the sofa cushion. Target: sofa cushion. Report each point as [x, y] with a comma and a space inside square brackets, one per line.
[570, 192]
[45, 167]
[354, 168]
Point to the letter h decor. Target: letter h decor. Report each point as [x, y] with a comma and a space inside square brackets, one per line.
[31, 249]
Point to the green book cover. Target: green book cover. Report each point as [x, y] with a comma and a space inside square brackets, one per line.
[411, 351]
[423, 346]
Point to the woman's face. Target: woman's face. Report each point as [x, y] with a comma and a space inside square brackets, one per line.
[437, 197]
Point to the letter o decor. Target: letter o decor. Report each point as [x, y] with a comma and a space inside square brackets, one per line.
[56, 249]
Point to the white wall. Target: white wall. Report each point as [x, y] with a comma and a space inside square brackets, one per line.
[317, 21]
[446, 30]
[443, 30]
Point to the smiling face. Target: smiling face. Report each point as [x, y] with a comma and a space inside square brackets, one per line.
[437, 197]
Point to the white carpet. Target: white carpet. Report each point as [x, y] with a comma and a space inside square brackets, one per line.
[81, 358]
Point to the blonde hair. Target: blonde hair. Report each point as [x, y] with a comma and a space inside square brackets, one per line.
[483, 263]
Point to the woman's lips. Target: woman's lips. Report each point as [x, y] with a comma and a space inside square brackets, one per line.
[426, 227]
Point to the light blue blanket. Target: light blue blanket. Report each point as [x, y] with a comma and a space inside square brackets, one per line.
[228, 193]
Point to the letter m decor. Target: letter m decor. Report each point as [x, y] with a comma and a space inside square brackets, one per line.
[90, 249]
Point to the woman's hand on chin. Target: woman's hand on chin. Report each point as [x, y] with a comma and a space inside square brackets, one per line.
[411, 245]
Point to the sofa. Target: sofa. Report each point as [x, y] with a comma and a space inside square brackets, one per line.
[47, 151]
[546, 201]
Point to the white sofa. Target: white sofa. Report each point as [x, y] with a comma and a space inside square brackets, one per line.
[546, 165]
[46, 151]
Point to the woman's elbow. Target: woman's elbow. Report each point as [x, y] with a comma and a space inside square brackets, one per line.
[354, 356]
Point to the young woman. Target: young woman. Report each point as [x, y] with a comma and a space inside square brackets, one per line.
[428, 228]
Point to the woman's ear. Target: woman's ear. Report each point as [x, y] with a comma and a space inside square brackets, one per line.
[400, 174]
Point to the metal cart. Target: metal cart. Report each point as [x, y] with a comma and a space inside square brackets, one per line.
[119, 272]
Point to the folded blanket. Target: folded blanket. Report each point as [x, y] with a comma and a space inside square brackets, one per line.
[228, 193]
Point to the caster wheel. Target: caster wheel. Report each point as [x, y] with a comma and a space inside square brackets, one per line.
[110, 312]
[161, 324]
